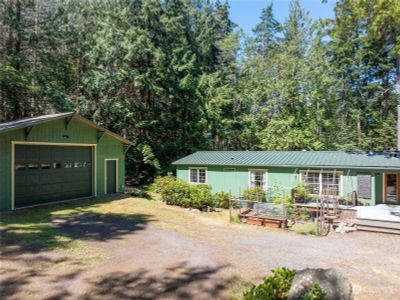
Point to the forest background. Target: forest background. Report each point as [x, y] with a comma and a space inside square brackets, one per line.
[176, 76]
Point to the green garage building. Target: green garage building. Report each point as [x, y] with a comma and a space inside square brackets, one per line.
[58, 157]
[373, 176]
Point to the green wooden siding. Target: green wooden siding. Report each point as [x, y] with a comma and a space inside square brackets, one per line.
[235, 181]
[53, 132]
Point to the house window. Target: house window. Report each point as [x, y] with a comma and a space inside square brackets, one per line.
[311, 180]
[258, 178]
[198, 176]
[322, 183]
[330, 184]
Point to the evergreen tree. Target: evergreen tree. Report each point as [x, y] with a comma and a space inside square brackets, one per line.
[178, 76]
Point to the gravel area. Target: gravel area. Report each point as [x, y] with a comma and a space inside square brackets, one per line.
[179, 254]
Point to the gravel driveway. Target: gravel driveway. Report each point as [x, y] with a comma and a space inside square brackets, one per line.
[140, 249]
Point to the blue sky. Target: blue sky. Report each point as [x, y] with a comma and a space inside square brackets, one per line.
[246, 13]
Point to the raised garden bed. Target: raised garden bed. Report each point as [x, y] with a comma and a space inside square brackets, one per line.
[270, 222]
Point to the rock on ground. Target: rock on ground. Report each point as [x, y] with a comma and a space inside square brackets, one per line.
[331, 281]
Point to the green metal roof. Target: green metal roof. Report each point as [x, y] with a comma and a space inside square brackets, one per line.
[323, 159]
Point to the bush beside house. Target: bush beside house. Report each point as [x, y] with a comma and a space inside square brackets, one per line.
[221, 199]
[178, 192]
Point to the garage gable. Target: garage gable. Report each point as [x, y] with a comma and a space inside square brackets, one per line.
[59, 123]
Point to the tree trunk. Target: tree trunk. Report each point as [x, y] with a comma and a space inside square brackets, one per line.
[17, 49]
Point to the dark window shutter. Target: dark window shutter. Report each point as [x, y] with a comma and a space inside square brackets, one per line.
[364, 185]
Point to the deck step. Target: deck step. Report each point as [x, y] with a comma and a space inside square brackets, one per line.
[378, 229]
[378, 226]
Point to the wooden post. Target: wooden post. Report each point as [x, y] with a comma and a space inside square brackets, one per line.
[230, 210]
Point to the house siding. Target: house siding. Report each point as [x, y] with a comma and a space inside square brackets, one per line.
[283, 177]
[53, 132]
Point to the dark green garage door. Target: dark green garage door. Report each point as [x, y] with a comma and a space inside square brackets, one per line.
[51, 173]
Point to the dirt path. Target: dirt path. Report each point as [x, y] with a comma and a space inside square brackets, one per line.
[179, 254]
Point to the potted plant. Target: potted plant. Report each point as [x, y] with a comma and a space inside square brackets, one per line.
[300, 193]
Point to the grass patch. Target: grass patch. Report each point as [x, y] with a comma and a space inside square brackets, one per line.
[305, 228]
[235, 219]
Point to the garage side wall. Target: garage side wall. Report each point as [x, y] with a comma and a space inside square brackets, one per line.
[110, 148]
[57, 132]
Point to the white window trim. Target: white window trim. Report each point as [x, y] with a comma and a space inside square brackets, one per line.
[197, 168]
[265, 174]
[340, 173]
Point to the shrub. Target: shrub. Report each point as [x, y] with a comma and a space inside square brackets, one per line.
[178, 192]
[275, 286]
[283, 199]
[315, 293]
[200, 196]
[235, 219]
[221, 199]
[298, 214]
[306, 228]
[140, 194]
[162, 182]
[278, 195]
[254, 194]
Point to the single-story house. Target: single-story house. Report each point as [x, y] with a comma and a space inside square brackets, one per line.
[58, 157]
[374, 176]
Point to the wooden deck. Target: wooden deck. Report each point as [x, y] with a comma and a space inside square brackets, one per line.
[379, 218]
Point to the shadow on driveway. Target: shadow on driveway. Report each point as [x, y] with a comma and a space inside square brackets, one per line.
[178, 282]
[45, 228]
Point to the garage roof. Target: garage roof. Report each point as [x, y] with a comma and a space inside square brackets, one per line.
[327, 159]
[27, 122]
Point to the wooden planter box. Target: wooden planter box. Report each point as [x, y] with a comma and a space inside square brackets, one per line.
[271, 223]
[254, 221]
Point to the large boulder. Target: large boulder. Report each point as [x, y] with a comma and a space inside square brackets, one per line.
[331, 281]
